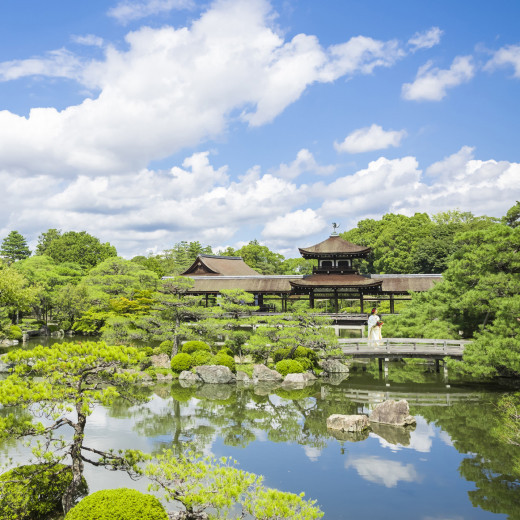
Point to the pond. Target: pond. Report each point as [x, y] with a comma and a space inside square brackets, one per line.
[447, 467]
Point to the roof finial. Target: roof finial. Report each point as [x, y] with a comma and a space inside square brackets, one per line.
[334, 227]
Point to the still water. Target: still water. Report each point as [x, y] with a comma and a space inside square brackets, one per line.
[446, 468]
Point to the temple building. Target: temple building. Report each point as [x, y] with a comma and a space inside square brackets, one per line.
[333, 279]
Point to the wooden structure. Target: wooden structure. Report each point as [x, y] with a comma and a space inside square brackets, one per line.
[333, 279]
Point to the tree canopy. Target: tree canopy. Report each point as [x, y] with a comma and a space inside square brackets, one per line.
[14, 247]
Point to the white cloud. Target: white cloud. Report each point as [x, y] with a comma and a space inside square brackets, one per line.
[127, 10]
[304, 162]
[425, 40]
[508, 55]
[312, 453]
[369, 139]
[88, 39]
[453, 166]
[57, 63]
[174, 88]
[384, 472]
[432, 83]
[298, 224]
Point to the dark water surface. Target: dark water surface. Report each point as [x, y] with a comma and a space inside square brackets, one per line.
[448, 467]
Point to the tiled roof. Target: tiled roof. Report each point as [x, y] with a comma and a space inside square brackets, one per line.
[219, 265]
[335, 280]
[334, 245]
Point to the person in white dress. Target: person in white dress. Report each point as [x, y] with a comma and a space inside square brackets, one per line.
[374, 328]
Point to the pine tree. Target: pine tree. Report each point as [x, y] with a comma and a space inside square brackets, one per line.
[14, 247]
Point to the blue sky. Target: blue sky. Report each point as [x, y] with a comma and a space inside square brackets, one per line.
[148, 122]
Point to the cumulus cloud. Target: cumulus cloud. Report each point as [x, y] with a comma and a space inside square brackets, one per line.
[127, 10]
[88, 39]
[432, 83]
[369, 139]
[174, 88]
[425, 40]
[506, 56]
[387, 473]
[304, 162]
[297, 224]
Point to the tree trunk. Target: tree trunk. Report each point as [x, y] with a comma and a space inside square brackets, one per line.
[69, 498]
[175, 348]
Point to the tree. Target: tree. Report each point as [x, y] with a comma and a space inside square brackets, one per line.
[260, 258]
[14, 247]
[56, 381]
[79, 247]
[512, 217]
[16, 294]
[45, 239]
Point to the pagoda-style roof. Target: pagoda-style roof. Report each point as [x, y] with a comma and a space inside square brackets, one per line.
[219, 266]
[338, 281]
[254, 284]
[334, 247]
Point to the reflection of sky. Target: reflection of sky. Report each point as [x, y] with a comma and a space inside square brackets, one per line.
[420, 439]
[312, 453]
[385, 472]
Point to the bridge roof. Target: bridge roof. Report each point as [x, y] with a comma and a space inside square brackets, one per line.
[214, 265]
[334, 246]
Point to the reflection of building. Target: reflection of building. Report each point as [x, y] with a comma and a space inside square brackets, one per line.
[334, 278]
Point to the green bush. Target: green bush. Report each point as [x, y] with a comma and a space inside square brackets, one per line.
[53, 328]
[149, 351]
[289, 366]
[166, 347]
[304, 352]
[65, 325]
[281, 353]
[34, 491]
[192, 346]
[201, 357]
[118, 504]
[15, 332]
[225, 360]
[225, 350]
[181, 362]
[306, 363]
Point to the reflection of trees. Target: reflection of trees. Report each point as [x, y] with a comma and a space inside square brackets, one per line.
[490, 463]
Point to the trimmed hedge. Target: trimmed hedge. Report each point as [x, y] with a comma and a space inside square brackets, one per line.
[289, 366]
[201, 357]
[306, 363]
[225, 360]
[15, 332]
[118, 504]
[166, 347]
[181, 362]
[34, 491]
[192, 346]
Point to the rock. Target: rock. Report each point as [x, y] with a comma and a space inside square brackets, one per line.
[242, 377]
[335, 378]
[218, 392]
[393, 434]
[4, 367]
[298, 381]
[265, 387]
[8, 342]
[348, 423]
[164, 377]
[187, 378]
[184, 515]
[160, 361]
[350, 436]
[262, 373]
[215, 374]
[333, 366]
[391, 412]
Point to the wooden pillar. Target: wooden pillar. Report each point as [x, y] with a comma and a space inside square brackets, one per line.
[311, 299]
[437, 366]
[380, 364]
[336, 307]
[260, 300]
[284, 303]
[207, 300]
[392, 303]
[361, 301]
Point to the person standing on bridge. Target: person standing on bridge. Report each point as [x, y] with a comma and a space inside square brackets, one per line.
[374, 328]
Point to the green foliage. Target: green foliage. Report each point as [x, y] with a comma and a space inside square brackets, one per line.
[166, 347]
[15, 332]
[45, 239]
[281, 353]
[16, 294]
[259, 257]
[34, 491]
[202, 357]
[181, 361]
[79, 247]
[199, 484]
[226, 350]
[223, 359]
[306, 363]
[192, 346]
[14, 247]
[118, 504]
[289, 366]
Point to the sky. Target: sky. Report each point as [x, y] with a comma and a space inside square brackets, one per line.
[149, 122]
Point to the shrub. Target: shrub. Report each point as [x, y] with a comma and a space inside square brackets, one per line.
[65, 325]
[304, 352]
[53, 328]
[225, 360]
[281, 353]
[149, 351]
[192, 346]
[15, 332]
[166, 347]
[306, 363]
[289, 366]
[34, 491]
[120, 504]
[226, 350]
[201, 357]
[181, 362]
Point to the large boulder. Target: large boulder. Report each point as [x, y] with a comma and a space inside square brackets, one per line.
[298, 381]
[214, 392]
[215, 374]
[333, 366]
[392, 412]
[262, 373]
[393, 434]
[334, 378]
[242, 377]
[348, 423]
[4, 366]
[187, 378]
[161, 361]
